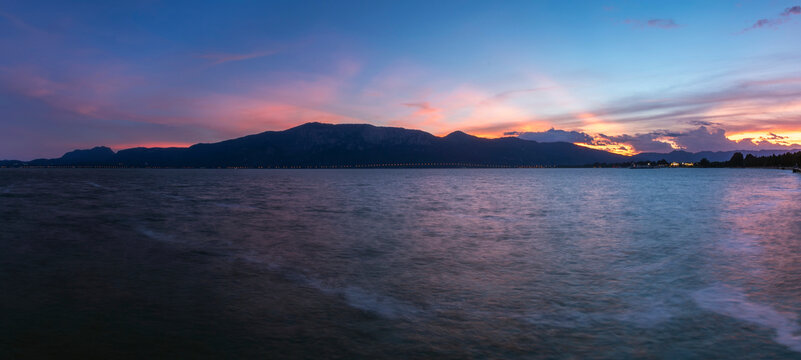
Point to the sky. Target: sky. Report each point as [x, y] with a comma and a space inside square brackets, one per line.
[624, 76]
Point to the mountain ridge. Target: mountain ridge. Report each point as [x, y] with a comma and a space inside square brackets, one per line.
[344, 145]
[356, 145]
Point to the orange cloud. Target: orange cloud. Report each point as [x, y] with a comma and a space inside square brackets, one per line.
[622, 149]
[783, 137]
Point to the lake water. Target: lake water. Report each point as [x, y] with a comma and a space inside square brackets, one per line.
[453, 263]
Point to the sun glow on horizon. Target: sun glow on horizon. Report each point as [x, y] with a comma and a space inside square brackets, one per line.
[164, 144]
[620, 149]
[779, 137]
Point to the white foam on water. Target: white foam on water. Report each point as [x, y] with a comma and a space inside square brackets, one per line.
[732, 302]
[362, 299]
[645, 314]
[384, 306]
[571, 319]
[567, 319]
[649, 316]
[354, 296]
[659, 265]
[154, 235]
[260, 260]
[96, 185]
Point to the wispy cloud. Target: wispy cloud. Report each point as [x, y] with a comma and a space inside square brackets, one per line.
[117, 106]
[554, 135]
[655, 23]
[766, 104]
[795, 10]
[758, 112]
[662, 23]
[781, 19]
[19, 23]
[423, 106]
[426, 114]
[512, 93]
[769, 101]
[220, 58]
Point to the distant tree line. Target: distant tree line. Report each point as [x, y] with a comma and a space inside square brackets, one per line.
[772, 161]
[786, 160]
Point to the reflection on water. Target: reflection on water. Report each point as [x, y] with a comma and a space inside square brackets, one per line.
[529, 263]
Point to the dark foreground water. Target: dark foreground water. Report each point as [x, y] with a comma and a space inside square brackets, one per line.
[508, 263]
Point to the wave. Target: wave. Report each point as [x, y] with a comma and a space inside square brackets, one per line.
[732, 302]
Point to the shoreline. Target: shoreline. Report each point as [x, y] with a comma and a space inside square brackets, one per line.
[375, 167]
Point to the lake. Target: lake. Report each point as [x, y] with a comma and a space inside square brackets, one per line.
[400, 263]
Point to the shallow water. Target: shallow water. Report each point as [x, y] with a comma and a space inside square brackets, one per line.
[498, 263]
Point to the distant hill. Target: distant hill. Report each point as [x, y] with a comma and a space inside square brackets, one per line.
[13, 163]
[316, 144]
[684, 156]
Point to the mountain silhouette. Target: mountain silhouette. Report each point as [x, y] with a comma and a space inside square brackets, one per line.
[685, 156]
[346, 145]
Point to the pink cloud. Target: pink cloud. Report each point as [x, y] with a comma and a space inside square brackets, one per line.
[506, 95]
[423, 108]
[251, 117]
[109, 94]
[308, 90]
[780, 81]
[425, 115]
[90, 92]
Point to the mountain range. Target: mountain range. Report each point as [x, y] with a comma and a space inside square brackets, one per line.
[358, 145]
[684, 156]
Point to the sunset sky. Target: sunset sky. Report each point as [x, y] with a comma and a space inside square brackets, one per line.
[628, 76]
